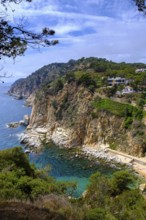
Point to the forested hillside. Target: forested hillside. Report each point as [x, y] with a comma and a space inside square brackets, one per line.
[98, 68]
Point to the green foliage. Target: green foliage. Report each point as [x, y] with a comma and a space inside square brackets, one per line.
[70, 76]
[74, 70]
[131, 114]
[141, 5]
[113, 198]
[18, 179]
[113, 145]
[100, 186]
[14, 158]
[141, 102]
[15, 39]
[127, 123]
[128, 205]
[120, 199]
[98, 190]
[57, 85]
[87, 81]
[110, 91]
[117, 108]
[121, 181]
[94, 214]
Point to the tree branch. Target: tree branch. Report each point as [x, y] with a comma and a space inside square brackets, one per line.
[14, 40]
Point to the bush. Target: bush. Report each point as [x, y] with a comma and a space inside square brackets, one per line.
[127, 123]
[95, 214]
[69, 77]
[18, 179]
[58, 85]
[130, 205]
[113, 146]
[14, 159]
[121, 181]
[87, 81]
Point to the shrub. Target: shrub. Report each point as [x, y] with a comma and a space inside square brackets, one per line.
[95, 214]
[121, 181]
[87, 81]
[127, 123]
[18, 179]
[58, 85]
[69, 77]
[113, 146]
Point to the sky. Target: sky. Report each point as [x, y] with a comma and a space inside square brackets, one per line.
[111, 29]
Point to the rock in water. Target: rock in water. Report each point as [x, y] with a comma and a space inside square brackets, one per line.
[13, 125]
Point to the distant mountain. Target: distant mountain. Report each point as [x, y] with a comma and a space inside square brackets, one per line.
[22, 88]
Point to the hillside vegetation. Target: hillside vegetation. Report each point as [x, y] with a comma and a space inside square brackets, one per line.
[20, 180]
[99, 70]
[27, 193]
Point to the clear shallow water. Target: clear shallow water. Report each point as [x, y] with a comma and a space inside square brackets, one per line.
[64, 165]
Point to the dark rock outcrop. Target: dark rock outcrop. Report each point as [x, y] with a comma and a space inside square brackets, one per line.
[22, 211]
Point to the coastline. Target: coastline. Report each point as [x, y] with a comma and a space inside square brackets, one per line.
[138, 164]
[34, 140]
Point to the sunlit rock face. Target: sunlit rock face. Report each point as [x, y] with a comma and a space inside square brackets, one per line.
[63, 110]
[66, 119]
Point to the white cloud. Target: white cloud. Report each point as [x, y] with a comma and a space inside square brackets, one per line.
[111, 29]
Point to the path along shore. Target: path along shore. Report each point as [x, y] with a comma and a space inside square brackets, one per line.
[137, 163]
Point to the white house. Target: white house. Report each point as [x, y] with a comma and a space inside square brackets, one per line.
[126, 90]
[140, 70]
[117, 81]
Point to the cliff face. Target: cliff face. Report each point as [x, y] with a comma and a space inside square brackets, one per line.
[69, 119]
[74, 106]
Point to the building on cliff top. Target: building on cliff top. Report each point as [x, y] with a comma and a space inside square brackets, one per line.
[126, 90]
[140, 70]
[117, 81]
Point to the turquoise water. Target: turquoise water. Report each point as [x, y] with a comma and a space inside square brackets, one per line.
[64, 165]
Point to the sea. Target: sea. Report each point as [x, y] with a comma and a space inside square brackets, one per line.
[64, 165]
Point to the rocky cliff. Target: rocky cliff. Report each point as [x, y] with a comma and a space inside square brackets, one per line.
[76, 116]
[73, 105]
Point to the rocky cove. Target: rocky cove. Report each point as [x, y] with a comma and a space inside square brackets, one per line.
[69, 118]
[74, 126]
[114, 159]
[71, 110]
[36, 139]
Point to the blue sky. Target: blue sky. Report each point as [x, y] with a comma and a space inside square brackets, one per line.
[112, 29]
